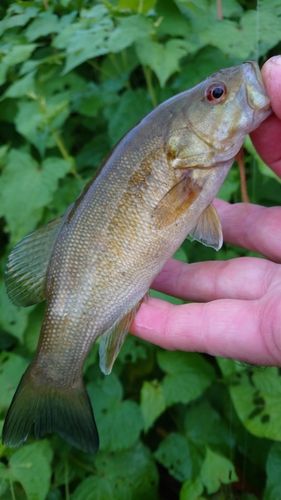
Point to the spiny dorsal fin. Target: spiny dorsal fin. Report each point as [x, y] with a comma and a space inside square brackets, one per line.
[208, 229]
[176, 201]
[27, 265]
[113, 339]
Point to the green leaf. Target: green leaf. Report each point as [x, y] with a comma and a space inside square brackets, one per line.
[3, 72]
[263, 168]
[216, 470]
[18, 16]
[174, 454]
[188, 376]
[12, 368]
[18, 54]
[132, 107]
[229, 38]
[43, 25]
[273, 467]
[269, 26]
[128, 475]
[162, 59]
[84, 44]
[129, 30]
[30, 465]
[119, 422]
[139, 7]
[230, 185]
[21, 87]
[191, 490]
[152, 402]
[45, 116]
[212, 430]
[257, 400]
[34, 186]
[13, 319]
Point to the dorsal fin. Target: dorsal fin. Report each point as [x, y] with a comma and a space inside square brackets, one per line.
[28, 262]
[208, 229]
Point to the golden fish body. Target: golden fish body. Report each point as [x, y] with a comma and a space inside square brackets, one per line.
[95, 264]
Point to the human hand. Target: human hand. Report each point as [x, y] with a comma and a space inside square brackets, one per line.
[238, 309]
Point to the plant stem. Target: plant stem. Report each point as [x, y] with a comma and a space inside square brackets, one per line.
[147, 75]
[12, 490]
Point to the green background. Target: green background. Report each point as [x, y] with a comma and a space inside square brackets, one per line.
[75, 75]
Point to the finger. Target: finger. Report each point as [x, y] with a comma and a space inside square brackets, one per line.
[252, 227]
[226, 328]
[266, 138]
[245, 278]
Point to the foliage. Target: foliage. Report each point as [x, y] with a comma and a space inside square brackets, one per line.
[75, 75]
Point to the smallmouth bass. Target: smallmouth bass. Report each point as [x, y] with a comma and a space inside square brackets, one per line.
[94, 264]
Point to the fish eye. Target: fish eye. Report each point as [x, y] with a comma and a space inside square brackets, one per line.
[216, 93]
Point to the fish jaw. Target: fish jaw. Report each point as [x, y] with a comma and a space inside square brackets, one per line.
[257, 98]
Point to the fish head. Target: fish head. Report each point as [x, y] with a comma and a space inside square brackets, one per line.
[219, 112]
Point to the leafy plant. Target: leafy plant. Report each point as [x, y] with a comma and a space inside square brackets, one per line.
[75, 75]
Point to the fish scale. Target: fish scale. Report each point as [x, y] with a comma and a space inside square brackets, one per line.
[98, 260]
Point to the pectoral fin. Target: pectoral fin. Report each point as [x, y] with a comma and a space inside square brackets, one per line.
[113, 339]
[27, 265]
[176, 201]
[208, 229]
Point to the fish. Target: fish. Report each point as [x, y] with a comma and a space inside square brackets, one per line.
[94, 264]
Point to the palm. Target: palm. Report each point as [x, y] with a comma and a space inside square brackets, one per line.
[238, 309]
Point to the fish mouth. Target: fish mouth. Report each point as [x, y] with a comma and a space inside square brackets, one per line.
[256, 95]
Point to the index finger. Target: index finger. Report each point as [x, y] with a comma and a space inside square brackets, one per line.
[266, 138]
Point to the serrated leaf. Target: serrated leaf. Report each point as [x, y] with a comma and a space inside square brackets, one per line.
[188, 376]
[43, 114]
[257, 401]
[227, 36]
[43, 25]
[152, 402]
[119, 422]
[18, 54]
[12, 367]
[18, 16]
[216, 470]
[174, 454]
[21, 86]
[130, 29]
[34, 186]
[85, 44]
[191, 490]
[203, 424]
[273, 467]
[132, 107]
[162, 59]
[30, 465]
[128, 475]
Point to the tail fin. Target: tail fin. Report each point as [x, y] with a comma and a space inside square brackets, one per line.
[66, 411]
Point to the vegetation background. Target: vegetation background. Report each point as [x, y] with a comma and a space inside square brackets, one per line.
[75, 75]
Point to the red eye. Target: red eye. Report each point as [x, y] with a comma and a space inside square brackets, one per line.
[216, 92]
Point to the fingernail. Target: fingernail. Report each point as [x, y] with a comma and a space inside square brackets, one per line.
[276, 60]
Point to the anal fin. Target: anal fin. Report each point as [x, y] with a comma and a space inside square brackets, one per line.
[113, 339]
[207, 229]
[28, 262]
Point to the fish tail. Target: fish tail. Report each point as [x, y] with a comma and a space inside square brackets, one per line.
[66, 411]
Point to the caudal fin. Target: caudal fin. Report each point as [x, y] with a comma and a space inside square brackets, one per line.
[64, 411]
